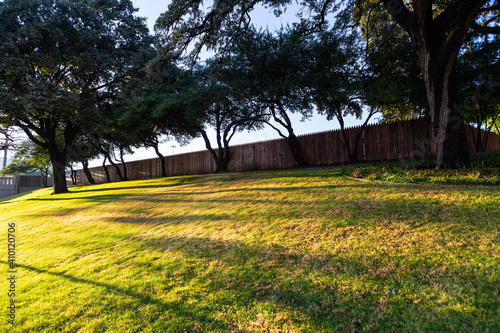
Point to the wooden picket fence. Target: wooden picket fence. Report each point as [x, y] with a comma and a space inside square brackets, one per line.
[410, 139]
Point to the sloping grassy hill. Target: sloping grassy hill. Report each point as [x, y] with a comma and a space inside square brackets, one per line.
[288, 251]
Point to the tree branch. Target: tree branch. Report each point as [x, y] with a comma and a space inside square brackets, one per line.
[486, 30]
[32, 137]
[401, 14]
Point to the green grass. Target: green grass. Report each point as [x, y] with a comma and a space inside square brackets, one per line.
[485, 169]
[288, 251]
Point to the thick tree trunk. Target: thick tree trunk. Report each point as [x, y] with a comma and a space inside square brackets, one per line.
[294, 145]
[437, 37]
[446, 113]
[58, 160]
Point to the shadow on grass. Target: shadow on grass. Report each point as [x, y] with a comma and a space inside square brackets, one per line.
[174, 308]
[343, 292]
[7, 200]
[311, 201]
[313, 292]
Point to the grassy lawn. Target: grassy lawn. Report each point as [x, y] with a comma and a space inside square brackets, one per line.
[288, 251]
[485, 169]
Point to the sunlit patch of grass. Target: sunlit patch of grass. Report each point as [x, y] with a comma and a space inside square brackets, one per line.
[288, 251]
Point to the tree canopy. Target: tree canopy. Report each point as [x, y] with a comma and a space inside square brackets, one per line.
[437, 31]
[61, 62]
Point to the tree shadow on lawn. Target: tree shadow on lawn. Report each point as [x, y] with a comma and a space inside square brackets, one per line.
[412, 208]
[156, 183]
[277, 287]
[172, 307]
[338, 291]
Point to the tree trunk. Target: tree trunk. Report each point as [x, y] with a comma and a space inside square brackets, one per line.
[125, 175]
[58, 160]
[73, 174]
[105, 167]
[74, 177]
[360, 134]
[163, 163]
[437, 38]
[294, 145]
[347, 144]
[225, 156]
[208, 145]
[86, 170]
[446, 113]
[291, 138]
[117, 168]
[44, 176]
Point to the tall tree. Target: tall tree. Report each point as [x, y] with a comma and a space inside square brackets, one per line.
[196, 100]
[437, 28]
[164, 107]
[339, 80]
[61, 60]
[266, 72]
[225, 113]
[139, 112]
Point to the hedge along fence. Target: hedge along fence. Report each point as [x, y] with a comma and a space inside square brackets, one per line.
[412, 139]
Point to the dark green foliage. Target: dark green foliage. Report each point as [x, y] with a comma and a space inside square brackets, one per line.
[397, 86]
[185, 103]
[479, 77]
[267, 72]
[62, 62]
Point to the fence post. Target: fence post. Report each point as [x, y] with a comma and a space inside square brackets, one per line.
[16, 185]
